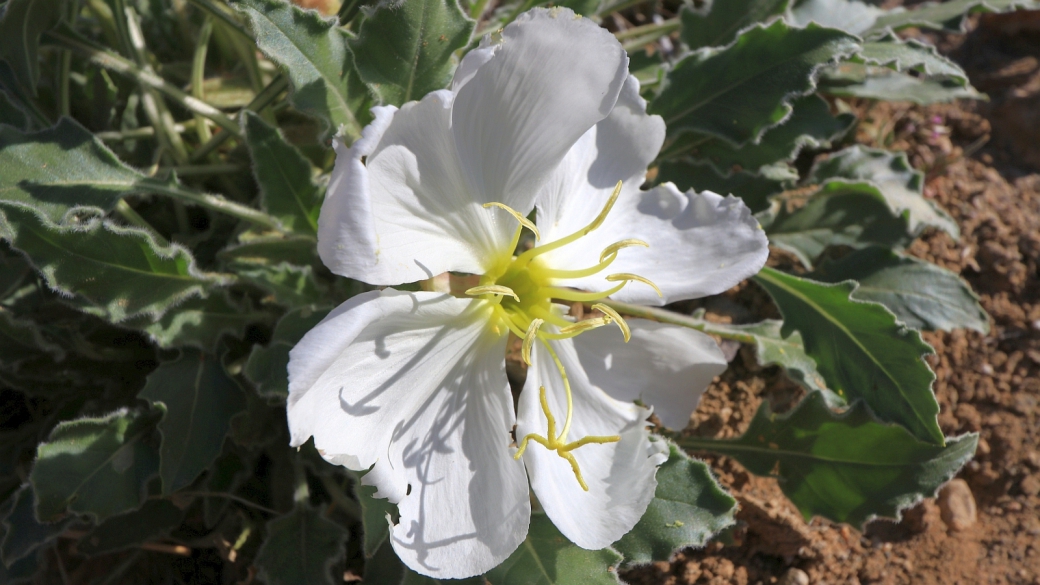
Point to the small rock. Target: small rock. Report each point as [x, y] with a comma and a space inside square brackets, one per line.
[1031, 485]
[957, 505]
[794, 577]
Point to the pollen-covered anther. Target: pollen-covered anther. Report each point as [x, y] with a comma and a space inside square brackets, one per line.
[492, 289]
[626, 276]
[615, 317]
[529, 338]
[612, 249]
[518, 216]
[585, 325]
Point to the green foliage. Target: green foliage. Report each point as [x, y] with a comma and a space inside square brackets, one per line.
[200, 322]
[199, 400]
[266, 367]
[314, 54]
[287, 190]
[847, 467]
[921, 294]
[23, 533]
[911, 55]
[719, 24]
[96, 466]
[753, 188]
[688, 508]
[860, 350]
[20, 29]
[882, 83]
[404, 49]
[113, 272]
[838, 213]
[301, 548]
[547, 558]
[737, 93]
[155, 518]
[945, 15]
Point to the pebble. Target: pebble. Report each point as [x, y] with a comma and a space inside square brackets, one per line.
[1031, 485]
[957, 506]
[794, 577]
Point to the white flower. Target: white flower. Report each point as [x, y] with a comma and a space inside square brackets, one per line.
[413, 385]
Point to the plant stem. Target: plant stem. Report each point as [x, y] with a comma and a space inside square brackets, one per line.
[198, 75]
[215, 10]
[212, 202]
[204, 170]
[107, 59]
[142, 132]
[261, 101]
[672, 318]
[654, 29]
[64, 104]
[699, 443]
[133, 218]
[615, 6]
[233, 498]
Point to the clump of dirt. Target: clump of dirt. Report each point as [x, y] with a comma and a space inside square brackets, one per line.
[981, 162]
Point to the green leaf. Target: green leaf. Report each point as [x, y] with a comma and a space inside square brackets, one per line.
[289, 284]
[156, 517]
[301, 548]
[200, 322]
[737, 93]
[900, 184]
[945, 15]
[11, 113]
[719, 24]
[689, 507]
[404, 49]
[271, 250]
[114, 272]
[838, 214]
[96, 466]
[911, 55]
[21, 340]
[753, 188]
[882, 83]
[23, 533]
[59, 168]
[287, 189]
[850, 16]
[811, 125]
[200, 399]
[20, 572]
[921, 294]
[847, 467]
[20, 29]
[860, 350]
[314, 54]
[548, 558]
[266, 367]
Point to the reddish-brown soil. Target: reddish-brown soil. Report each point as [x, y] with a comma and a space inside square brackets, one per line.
[983, 165]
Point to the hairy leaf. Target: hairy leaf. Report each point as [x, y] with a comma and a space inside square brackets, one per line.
[114, 272]
[839, 213]
[900, 184]
[404, 49]
[882, 83]
[738, 92]
[911, 55]
[860, 350]
[300, 549]
[21, 340]
[753, 188]
[847, 467]
[23, 533]
[811, 125]
[20, 28]
[11, 113]
[945, 15]
[851, 16]
[719, 24]
[287, 190]
[314, 54]
[921, 294]
[200, 399]
[96, 466]
[156, 517]
[266, 367]
[548, 558]
[200, 322]
[289, 284]
[689, 507]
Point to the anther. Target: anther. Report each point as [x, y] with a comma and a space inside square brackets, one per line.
[582, 326]
[613, 248]
[516, 214]
[627, 277]
[492, 289]
[616, 318]
[606, 209]
[532, 334]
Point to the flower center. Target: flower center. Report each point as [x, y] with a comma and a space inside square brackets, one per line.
[521, 290]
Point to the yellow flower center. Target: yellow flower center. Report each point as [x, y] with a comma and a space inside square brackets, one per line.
[521, 290]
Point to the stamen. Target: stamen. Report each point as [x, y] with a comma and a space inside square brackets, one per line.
[627, 276]
[567, 294]
[492, 289]
[525, 258]
[516, 214]
[606, 209]
[616, 318]
[577, 328]
[612, 249]
[532, 334]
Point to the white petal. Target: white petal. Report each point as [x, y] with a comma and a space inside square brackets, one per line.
[414, 384]
[700, 244]
[665, 366]
[405, 213]
[620, 476]
[551, 78]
